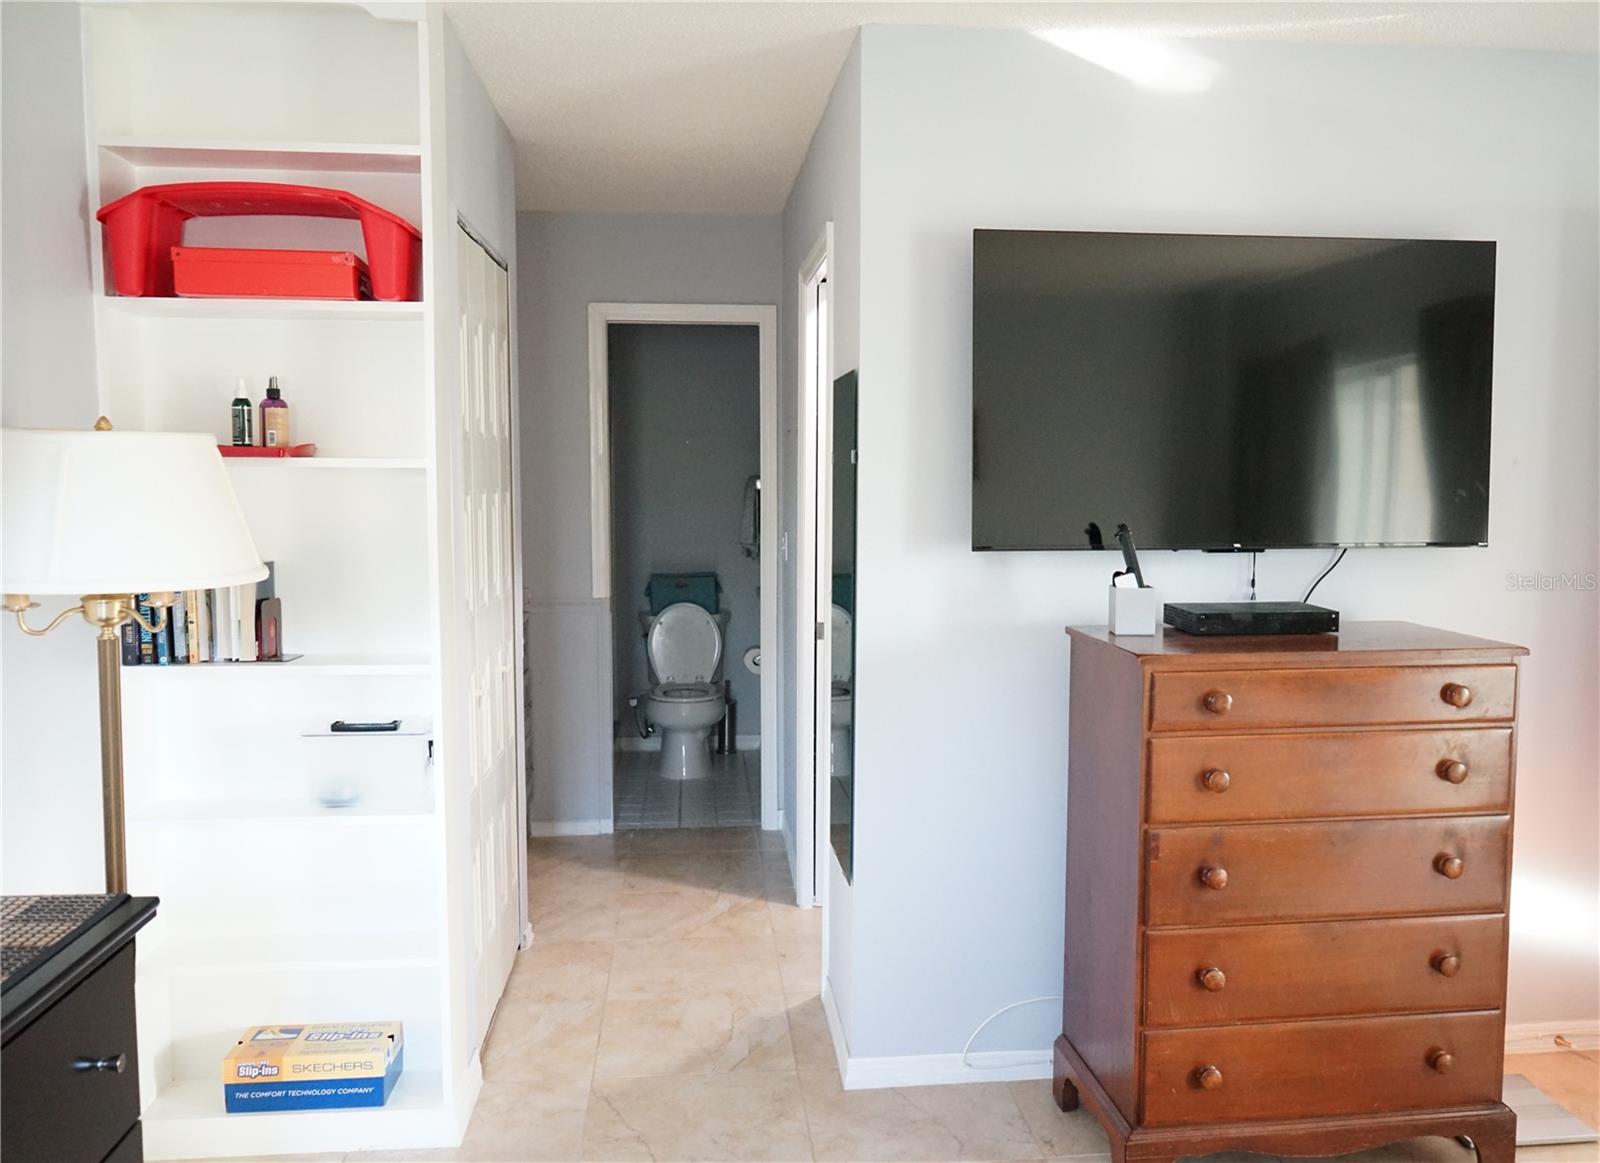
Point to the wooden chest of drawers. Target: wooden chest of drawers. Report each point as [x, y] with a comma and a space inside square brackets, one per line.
[1287, 875]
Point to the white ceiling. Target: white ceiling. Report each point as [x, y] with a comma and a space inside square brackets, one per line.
[709, 107]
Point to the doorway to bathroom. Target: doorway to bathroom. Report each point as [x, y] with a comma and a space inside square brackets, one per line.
[683, 403]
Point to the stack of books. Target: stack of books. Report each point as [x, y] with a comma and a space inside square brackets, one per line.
[231, 624]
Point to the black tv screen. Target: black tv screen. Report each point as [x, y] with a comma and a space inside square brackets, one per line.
[1229, 392]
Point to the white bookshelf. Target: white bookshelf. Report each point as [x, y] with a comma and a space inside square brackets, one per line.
[275, 908]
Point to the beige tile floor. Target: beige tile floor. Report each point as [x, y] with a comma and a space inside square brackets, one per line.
[669, 1010]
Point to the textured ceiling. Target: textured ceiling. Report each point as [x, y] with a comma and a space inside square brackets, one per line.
[706, 107]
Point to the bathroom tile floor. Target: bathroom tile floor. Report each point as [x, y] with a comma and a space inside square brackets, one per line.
[669, 1010]
[730, 798]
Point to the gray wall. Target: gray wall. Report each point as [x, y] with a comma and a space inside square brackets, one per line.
[685, 437]
[51, 780]
[965, 128]
[567, 262]
[827, 189]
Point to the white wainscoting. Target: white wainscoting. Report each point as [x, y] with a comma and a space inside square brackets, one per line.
[569, 727]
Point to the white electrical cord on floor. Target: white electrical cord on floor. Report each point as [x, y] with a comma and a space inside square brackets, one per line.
[967, 1049]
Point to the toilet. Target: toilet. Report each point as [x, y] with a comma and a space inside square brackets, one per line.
[840, 719]
[684, 644]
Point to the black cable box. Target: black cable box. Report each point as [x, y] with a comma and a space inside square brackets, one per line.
[1250, 618]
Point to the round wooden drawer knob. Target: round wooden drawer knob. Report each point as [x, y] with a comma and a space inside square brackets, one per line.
[1446, 964]
[1441, 1060]
[1452, 770]
[1212, 978]
[1457, 694]
[1209, 1077]
[1216, 780]
[1218, 702]
[1449, 866]
[1214, 877]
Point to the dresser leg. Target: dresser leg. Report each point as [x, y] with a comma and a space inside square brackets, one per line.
[1066, 1093]
[1496, 1139]
[1061, 1080]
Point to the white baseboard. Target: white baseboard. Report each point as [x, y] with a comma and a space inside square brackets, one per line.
[841, 1048]
[541, 828]
[929, 1069]
[947, 1069]
[1535, 1037]
[1028, 1065]
[632, 742]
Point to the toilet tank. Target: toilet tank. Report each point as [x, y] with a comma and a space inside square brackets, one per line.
[703, 589]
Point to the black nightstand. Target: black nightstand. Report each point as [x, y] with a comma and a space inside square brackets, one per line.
[68, 1042]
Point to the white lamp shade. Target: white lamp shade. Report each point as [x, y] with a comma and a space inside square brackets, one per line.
[119, 513]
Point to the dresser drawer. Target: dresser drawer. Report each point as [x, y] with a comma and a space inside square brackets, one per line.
[51, 1109]
[1342, 696]
[1448, 771]
[1254, 973]
[1268, 872]
[1309, 1069]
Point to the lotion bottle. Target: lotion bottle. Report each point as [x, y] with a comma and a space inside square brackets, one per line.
[244, 429]
[274, 417]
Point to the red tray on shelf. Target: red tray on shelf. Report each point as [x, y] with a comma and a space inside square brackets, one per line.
[143, 227]
[201, 272]
[258, 450]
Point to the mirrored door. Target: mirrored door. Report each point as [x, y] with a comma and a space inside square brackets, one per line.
[842, 708]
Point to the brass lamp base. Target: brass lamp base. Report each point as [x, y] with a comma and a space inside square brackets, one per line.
[105, 612]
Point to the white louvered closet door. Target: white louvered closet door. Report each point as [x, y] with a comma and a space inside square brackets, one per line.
[491, 615]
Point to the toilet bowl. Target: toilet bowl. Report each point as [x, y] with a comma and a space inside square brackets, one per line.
[685, 646]
[841, 711]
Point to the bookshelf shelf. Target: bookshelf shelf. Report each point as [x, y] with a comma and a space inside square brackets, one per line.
[187, 1120]
[366, 310]
[309, 156]
[316, 665]
[315, 463]
[264, 812]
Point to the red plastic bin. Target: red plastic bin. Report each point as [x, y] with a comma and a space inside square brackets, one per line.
[143, 227]
[226, 272]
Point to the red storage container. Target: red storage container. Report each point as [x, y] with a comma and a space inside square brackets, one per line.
[258, 274]
[144, 227]
[218, 272]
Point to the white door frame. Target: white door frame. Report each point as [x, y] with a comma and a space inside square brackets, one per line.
[765, 319]
[811, 680]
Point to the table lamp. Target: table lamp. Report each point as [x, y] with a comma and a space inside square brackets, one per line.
[71, 505]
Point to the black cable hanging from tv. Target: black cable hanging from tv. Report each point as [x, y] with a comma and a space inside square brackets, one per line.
[1325, 573]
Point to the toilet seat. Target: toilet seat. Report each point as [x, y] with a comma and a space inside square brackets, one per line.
[680, 692]
[684, 644]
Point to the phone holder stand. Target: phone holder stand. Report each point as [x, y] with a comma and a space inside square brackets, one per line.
[1134, 610]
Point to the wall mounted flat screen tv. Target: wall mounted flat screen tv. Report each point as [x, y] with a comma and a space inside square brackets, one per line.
[1229, 392]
